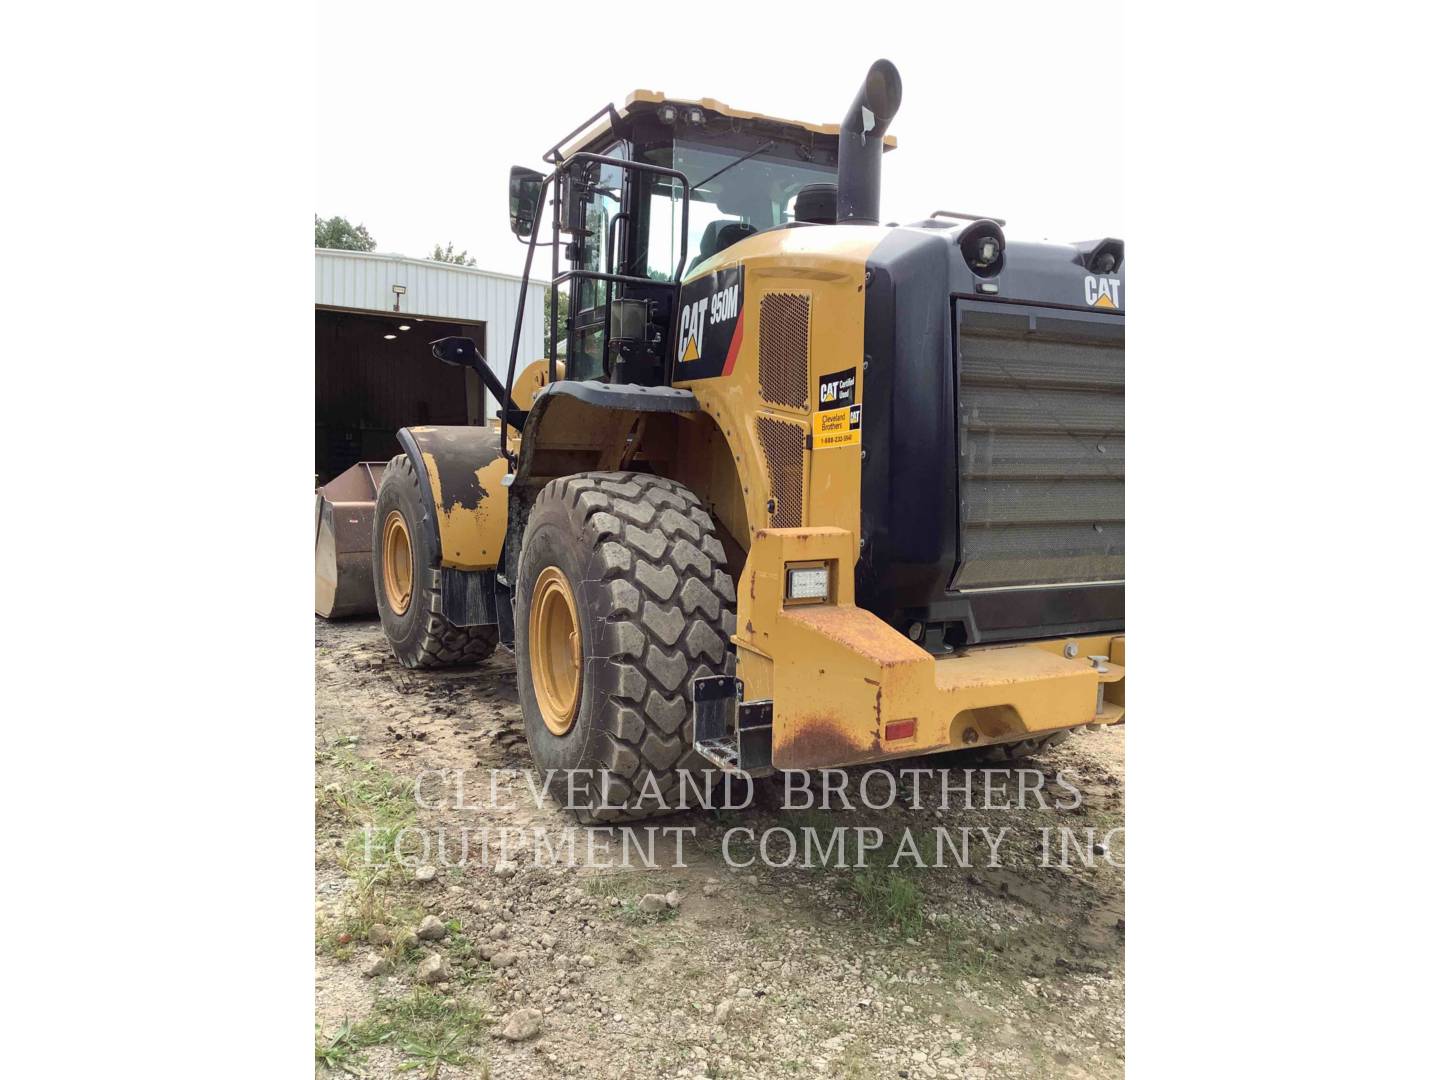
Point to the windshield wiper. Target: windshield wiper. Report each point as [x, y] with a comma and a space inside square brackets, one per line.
[758, 150]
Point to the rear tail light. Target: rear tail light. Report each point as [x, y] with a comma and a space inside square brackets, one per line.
[900, 729]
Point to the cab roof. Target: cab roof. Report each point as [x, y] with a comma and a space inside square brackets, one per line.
[648, 100]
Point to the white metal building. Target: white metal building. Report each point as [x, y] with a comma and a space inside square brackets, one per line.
[374, 318]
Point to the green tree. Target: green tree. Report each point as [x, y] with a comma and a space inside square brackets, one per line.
[564, 315]
[338, 233]
[448, 254]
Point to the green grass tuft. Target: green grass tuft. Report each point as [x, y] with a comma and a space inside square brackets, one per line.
[340, 1052]
[889, 898]
[375, 806]
[632, 915]
[427, 1028]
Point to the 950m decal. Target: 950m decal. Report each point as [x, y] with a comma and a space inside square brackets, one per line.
[711, 325]
[837, 427]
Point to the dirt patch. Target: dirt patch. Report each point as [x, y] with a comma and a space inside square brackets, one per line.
[1005, 967]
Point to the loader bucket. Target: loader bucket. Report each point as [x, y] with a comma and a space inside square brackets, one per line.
[344, 514]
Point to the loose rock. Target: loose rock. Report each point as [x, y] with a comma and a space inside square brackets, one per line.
[432, 969]
[650, 903]
[431, 929]
[379, 935]
[425, 873]
[503, 959]
[521, 1024]
[375, 966]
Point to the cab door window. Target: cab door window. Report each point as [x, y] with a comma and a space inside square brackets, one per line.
[604, 204]
[600, 212]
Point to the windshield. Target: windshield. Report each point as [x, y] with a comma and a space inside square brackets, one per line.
[727, 185]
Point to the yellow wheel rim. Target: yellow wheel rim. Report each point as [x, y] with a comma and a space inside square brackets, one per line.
[398, 571]
[555, 650]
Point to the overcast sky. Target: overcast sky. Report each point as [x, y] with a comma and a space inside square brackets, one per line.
[1010, 110]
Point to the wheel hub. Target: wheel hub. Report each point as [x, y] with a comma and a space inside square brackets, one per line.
[399, 562]
[554, 645]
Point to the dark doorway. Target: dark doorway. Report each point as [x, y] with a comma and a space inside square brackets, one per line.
[372, 377]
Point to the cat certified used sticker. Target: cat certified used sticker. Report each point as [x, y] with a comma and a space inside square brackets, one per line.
[837, 389]
[837, 427]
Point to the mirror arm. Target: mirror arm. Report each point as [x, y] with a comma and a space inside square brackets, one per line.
[490, 379]
[507, 397]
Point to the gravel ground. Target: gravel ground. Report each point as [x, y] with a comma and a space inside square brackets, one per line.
[1008, 970]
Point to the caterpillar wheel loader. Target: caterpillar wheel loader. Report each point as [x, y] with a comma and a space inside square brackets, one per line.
[805, 491]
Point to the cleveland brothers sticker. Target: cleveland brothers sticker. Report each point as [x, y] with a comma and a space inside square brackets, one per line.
[837, 427]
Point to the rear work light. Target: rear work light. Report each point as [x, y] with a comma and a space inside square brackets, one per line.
[807, 584]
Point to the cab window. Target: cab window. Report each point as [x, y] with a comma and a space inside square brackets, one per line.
[729, 185]
[588, 359]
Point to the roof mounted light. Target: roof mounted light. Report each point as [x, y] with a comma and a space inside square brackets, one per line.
[389, 337]
[695, 117]
[983, 247]
[1102, 256]
[404, 326]
[668, 114]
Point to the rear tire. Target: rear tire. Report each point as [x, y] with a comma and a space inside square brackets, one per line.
[653, 607]
[410, 605]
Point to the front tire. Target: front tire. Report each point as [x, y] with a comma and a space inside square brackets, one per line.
[406, 570]
[622, 599]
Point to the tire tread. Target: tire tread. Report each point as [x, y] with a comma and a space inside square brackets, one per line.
[443, 644]
[668, 619]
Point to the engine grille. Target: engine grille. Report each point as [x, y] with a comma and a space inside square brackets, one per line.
[785, 349]
[783, 444]
[1042, 452]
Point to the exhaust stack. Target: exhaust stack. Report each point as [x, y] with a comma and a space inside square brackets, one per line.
[862, 140]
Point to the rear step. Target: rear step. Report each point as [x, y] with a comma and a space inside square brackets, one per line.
[731, 733]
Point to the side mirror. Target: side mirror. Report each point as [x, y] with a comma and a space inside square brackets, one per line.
[457, 351]
[525, 185]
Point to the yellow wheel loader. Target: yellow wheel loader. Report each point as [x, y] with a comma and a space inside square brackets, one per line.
[805, 491]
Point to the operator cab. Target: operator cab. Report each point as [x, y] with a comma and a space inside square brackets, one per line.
[632, 235]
